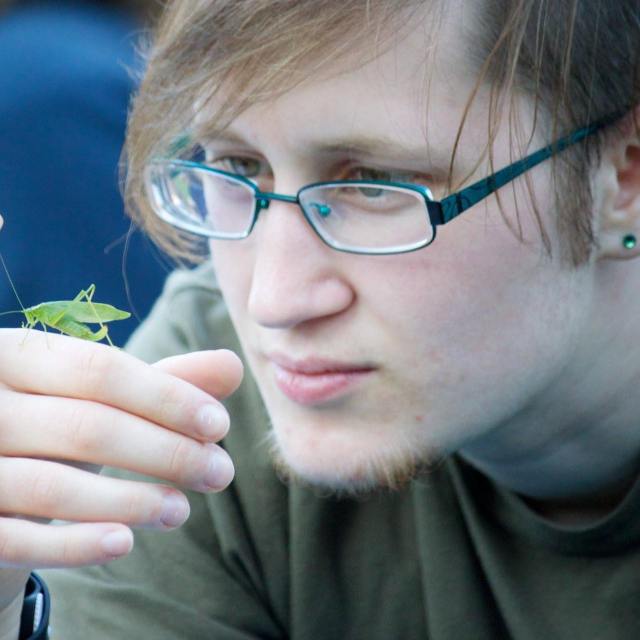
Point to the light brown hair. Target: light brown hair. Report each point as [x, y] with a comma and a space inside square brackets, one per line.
[577, 59]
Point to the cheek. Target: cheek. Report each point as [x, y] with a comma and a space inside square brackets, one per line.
[479, 316]
[470, 275]
[233, 264]
[478, 271]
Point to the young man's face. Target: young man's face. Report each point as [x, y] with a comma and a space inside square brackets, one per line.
[369, 363]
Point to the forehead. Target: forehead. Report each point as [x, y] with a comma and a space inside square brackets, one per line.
[414, 84]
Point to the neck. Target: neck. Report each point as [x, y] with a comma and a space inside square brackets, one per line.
[587, 470]
[575, 449]
[576, 483]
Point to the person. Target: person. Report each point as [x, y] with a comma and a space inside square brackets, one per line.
[423, 223]
[69, 73]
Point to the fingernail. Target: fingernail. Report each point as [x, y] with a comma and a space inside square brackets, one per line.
[175, 510]
[213, 421]
[117, 543]
[221, 471]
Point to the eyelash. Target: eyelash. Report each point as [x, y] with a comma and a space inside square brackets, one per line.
[353, 172]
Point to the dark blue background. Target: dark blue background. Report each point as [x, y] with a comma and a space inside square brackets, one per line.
[64, 91]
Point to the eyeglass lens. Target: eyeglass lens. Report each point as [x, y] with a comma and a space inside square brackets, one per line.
[347, 216]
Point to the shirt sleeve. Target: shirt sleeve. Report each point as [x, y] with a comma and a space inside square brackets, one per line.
[205, 579]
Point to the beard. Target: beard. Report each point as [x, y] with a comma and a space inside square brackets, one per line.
[387, 470]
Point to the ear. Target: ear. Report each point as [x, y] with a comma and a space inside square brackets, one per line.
[616, 194]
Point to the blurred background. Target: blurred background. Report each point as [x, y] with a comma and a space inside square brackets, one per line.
[69, 68]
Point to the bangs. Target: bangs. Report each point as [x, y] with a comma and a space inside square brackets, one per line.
[249, 52]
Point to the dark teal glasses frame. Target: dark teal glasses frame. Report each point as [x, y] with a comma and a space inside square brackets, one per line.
[439, 212]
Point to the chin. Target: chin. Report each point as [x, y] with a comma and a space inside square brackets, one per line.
[346, 464]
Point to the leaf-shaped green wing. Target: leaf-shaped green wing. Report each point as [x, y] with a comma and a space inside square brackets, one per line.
[94, 312]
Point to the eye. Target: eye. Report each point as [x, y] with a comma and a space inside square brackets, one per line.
[371, 174]
[243, 166]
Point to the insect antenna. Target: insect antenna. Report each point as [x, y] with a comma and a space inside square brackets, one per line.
[4, 266]
[23, 310]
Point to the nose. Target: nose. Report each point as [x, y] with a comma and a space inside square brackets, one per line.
[296, 277]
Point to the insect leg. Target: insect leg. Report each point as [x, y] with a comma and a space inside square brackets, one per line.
[28, 325]
[80, 330]
[46, 333]
[88, 296]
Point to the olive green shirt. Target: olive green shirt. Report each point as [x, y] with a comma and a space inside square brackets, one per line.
[450, 557]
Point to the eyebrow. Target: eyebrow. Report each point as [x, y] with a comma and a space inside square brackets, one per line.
[372, 146]
[359, 145]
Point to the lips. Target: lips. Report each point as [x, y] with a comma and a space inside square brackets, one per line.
[314, 381]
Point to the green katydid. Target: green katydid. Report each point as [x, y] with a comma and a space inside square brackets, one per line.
[71, 317]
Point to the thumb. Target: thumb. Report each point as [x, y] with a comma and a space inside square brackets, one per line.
[218, 373]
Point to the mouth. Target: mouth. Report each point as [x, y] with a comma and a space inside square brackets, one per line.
[314, 381]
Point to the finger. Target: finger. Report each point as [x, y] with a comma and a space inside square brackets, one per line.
[218, 373]
[99, 434]
[63, 366]
[25, 544]
[44, 489]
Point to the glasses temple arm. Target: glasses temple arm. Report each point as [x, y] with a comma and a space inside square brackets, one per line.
[456, 203]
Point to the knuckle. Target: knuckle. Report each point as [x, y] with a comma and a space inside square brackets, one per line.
[8, 550]
[80, 430]
[182, 460]
[135, 508]
[16, 475]
[10, 475]
[45, 493]
[94, 369]
[169, 403]
[67, 552]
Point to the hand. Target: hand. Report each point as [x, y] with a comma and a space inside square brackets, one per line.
[67, 407]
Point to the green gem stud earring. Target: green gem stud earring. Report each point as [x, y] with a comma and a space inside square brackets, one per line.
[629, 241]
